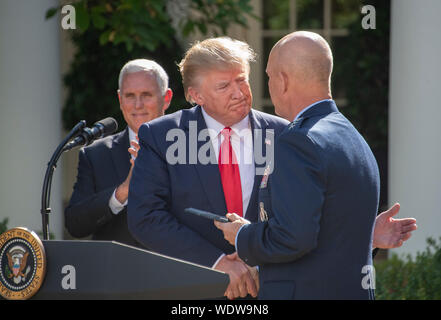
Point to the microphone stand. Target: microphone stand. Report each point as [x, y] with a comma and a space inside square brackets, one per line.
[47, 183]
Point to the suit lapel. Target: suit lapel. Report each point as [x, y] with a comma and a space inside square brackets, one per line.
[208, 174]
[120, 155]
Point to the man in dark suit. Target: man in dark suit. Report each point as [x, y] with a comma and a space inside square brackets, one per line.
[98, 205]
[167, 179]
[318, 207]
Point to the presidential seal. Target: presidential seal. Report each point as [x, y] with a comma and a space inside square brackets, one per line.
[22, 264]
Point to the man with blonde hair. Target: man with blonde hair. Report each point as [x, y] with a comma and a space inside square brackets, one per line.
[215, 76]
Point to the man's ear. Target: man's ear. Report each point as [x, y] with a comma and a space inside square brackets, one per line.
[285, 81]
[167, 99]
[195, 96]
[119, 97]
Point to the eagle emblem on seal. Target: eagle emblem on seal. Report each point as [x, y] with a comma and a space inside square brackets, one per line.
[17, 260]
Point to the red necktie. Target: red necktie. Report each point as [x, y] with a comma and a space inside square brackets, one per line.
[230, 175]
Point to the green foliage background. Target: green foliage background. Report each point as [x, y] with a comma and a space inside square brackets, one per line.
[93, 78]
[361, 64]
[110, 33]
[361, 69]
[361, 58]
[361, 75]
[411, 279]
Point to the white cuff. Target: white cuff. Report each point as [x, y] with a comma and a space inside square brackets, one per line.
[115, 205]
[217, 261]
[235, 241]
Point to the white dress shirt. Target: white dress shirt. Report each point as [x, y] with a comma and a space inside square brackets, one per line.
[116, 206]
[242, 144]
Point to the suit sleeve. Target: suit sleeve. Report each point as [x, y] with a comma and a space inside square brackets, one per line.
[88, 209]
[149, 216]
[297, 193]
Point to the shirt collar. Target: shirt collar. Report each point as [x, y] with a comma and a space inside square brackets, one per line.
[132, 135]
[309, 107]
[213, 124]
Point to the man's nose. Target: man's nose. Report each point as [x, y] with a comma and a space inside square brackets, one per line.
[237, 92]
[138, 103]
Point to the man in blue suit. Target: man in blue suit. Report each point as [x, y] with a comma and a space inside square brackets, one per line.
[318, 207]
[177, 165]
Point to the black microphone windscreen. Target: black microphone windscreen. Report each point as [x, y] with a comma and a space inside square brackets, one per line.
[110, 125]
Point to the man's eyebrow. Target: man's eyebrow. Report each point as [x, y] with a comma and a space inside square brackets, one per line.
[221, 83]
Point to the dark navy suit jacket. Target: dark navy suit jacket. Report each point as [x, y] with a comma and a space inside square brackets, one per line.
[102, 167]
[321, 202]
[160, 191]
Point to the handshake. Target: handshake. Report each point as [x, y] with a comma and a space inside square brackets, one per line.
[244, 279]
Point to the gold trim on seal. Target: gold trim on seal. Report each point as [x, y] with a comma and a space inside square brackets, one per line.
[22, 264]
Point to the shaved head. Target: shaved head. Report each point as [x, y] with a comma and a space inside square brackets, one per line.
[306, 56]
[299, 72]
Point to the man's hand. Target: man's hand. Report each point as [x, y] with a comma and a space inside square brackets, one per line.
[242, 279]
[133, 150]
[253, 270]
[230, 229]
[390, 232]
[122, 192]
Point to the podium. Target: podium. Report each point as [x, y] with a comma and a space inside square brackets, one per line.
[111, 270]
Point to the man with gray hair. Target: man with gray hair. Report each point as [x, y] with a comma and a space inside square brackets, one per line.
[99, 200]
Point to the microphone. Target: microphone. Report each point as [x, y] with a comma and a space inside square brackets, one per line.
[100, 129]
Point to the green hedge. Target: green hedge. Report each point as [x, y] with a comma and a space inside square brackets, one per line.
[411, 279]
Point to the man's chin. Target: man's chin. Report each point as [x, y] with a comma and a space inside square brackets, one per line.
[240, 114]
[246, 110]
[140, 122]
[243, 108]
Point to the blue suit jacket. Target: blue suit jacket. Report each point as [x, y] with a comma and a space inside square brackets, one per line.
[321, 202]
[160, 191]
